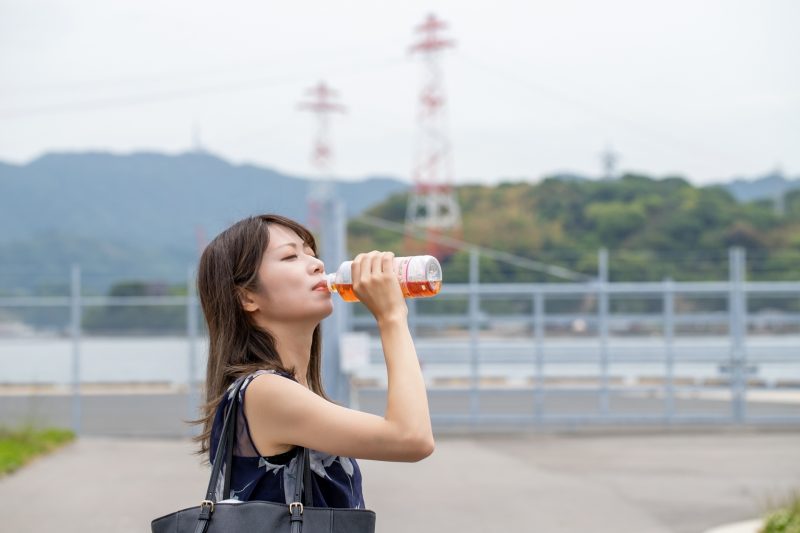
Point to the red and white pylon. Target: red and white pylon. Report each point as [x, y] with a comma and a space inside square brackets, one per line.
[432, 203]
[323, 105]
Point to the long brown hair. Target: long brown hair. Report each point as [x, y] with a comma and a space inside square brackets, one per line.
[237, 346]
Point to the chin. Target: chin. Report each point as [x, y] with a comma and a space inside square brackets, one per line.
[329, 312]
[324, 313]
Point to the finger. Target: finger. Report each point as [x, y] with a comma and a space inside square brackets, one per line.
[366, 267]
[387, 262]
[356, 268]
[375, 263]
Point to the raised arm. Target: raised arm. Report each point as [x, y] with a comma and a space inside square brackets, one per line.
[292, 414]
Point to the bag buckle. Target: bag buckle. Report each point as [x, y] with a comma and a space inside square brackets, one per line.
[295, 504]
[207, 503]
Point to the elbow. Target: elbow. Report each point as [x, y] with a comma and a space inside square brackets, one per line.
[421, 448]
[428, 448]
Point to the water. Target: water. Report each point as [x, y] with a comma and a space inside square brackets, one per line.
[166, 359]
[102, 360]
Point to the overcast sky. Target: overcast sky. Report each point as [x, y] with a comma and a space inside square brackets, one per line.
[707, 89]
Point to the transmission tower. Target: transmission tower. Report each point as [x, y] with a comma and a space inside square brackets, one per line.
[432, 204]
[322, 104]
[609, 159]
[197, 142]
[779, 193]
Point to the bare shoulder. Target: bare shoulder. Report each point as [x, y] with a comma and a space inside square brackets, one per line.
[272, 386]
[263, 391]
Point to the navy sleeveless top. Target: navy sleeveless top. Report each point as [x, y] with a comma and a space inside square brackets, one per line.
[335, 480]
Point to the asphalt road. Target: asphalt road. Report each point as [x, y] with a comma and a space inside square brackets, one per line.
[604, 482]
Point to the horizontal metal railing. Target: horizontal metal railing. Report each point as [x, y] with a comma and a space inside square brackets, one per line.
[550, 372]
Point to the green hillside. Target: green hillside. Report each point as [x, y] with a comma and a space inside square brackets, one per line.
[653, 228]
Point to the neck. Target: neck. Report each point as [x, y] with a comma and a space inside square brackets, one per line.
[293, 343]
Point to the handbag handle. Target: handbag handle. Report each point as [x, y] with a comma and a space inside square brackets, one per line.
[225, 446]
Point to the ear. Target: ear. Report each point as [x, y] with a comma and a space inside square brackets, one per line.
[246, 300]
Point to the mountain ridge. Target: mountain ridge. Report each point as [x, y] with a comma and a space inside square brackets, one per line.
[119, 208]
[147, 213]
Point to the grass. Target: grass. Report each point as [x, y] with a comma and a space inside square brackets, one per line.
[20, 445]
[784, 520]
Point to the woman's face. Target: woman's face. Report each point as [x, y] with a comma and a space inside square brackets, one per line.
[288, 273]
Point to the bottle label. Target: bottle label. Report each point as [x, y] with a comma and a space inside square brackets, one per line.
[401, 268]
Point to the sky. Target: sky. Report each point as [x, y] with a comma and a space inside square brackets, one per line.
[708, 90]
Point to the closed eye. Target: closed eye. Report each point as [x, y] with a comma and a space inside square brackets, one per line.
[294, 256]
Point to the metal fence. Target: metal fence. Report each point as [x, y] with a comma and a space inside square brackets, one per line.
[510, 355]
[585, 351]
[598, 366]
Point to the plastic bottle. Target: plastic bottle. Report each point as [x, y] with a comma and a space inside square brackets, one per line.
[420, 276]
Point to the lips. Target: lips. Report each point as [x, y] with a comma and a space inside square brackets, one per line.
[321, 284]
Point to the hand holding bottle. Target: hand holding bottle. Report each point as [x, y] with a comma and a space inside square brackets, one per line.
[420, 276]
[376, 285]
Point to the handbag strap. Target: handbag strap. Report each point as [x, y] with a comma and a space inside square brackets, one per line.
[230, 439]
[303, 491]
[225, 442]
[304, 473]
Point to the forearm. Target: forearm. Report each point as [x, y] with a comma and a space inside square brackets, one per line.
[407, 400]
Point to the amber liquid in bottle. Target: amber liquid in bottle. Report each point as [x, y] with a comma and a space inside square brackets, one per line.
[419, 277]
[411, 289]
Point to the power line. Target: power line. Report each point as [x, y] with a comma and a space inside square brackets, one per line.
[516, 260]
[175, 94]
[577, 103]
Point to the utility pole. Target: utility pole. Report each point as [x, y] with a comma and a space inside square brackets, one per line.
[197, 142]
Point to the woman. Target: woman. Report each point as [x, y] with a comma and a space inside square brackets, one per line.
[259, 283]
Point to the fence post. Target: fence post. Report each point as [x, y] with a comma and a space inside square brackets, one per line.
[474, 317]
[669, 347]
[75, 332]
[602, 308]
[191, 334]
[334, 249]
[538, 336]
[737, 309]
[412, 316]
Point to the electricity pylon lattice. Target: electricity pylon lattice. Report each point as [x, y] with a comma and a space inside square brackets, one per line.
[322, 104]
[432, 203]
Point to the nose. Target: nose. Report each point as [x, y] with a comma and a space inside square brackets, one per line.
[319, 266]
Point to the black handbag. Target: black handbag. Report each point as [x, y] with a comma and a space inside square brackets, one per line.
[261, 516]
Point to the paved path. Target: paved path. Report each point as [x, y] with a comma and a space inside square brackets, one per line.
[591, 481]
